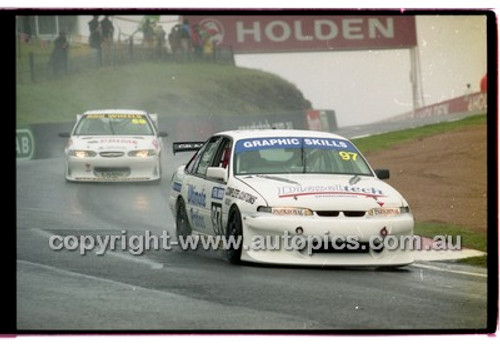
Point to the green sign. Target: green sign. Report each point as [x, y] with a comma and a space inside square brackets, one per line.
[25, 144]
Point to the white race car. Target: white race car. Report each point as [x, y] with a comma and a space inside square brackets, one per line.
[290, 197]
[114, 145]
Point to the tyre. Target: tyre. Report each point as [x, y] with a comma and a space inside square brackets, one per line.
[182, 226]
[234, 230]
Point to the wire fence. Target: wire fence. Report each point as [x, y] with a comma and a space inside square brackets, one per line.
[38, 66]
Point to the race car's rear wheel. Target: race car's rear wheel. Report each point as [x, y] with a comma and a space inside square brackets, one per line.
[234, 235]
[183, 228]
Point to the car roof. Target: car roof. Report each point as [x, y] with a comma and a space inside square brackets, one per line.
[278, 133]
[124, 111]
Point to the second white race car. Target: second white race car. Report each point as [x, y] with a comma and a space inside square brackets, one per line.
[291, 197]
[114, 146]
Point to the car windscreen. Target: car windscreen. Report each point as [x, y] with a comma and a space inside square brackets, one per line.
[286, 155]
[114, 124]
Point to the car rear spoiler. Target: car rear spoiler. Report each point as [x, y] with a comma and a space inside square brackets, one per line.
[185, 146]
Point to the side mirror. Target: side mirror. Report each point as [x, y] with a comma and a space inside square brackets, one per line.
[64, 135]
[383, 173]
[162, 134]
[217, 173]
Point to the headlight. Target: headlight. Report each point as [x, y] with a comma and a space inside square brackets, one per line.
[388, 211]
[286, 211]
[142, 153]
[82, 153]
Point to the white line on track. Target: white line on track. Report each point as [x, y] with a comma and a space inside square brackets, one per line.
[434, 268]
[92, 277]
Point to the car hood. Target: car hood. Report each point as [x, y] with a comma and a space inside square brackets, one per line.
[114, 143]
[324, 192]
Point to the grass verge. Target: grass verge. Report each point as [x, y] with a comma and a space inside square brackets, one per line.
[468, 238]
[386, 140]
[170, 89]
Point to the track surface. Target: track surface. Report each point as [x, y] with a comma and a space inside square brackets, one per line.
[182, 291]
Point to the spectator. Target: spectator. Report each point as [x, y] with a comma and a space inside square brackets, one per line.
[107, 29]
[484, 84]
[160, 42]
[174, 38]
[95, 39]
[185, 35]
[59, 56]
[148, 32]
[208, 49]
[197, 41]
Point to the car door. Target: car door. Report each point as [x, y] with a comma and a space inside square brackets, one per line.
[217, 188]
[197, 191]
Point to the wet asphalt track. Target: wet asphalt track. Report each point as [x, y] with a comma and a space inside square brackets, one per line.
[184, 291]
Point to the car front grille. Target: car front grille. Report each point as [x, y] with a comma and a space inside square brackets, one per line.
[337, 213]
[111, 154]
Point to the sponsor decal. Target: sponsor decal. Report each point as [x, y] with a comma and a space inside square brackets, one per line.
[292, 142]
[240, 195]
[268, 125]
[116, 115]
[218, 193]
[328, 143]
[119, 141]
[25, 144]
[197, 219]
[195, 197]
[477, 102]
[177, 187]
[330, 190]
[264, 34]
[186, 146]
[214, 29]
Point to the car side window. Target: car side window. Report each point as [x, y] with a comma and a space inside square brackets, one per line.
[190, 165]
[223, 154]
[206, 156]
[193, 162]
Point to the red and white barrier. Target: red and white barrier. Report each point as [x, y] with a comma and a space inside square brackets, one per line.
[473, 103]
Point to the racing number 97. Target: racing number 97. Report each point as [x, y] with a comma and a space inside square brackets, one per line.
[346, 156]
[217, 218]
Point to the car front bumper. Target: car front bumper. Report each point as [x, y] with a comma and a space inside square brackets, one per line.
[377, 241]
[119, 169]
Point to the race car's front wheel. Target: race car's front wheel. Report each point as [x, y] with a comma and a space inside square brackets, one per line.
[183, 228]
[234, 236]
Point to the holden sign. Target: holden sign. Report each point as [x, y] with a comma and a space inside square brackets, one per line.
[260, 34]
